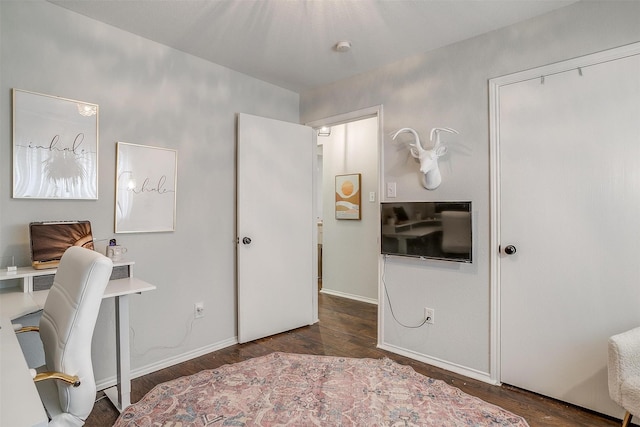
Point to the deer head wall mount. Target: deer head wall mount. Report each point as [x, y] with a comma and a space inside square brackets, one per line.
[428, 158]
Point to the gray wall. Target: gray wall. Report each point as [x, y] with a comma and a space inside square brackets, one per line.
[150, 94]
[153, 95]
[449, 87]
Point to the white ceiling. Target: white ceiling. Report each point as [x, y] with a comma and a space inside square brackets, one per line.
[290, 42]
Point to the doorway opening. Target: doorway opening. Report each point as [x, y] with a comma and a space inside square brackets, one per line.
[349, 144]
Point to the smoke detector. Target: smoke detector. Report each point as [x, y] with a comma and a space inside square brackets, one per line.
[343, 46]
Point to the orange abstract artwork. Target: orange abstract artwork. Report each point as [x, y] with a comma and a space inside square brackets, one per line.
[348, 196]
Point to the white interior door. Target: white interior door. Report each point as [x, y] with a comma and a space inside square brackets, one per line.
[276, 226]
[569, 150]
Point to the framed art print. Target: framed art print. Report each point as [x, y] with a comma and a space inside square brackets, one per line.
[145, 188]
[55, 147]
[348, 196]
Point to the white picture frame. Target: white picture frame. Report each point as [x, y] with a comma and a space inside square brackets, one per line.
[146, 187]
[55, 147]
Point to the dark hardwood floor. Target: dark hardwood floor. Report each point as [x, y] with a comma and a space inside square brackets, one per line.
[348, 328]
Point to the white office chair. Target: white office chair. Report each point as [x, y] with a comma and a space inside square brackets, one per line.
[624, 372]
[456, 232]
[66, 329]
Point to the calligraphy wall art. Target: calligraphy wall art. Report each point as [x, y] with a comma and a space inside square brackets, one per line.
[55, 147]
[145, 188]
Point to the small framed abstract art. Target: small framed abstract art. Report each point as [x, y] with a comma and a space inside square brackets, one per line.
[348, 196]
[146, 185]
[55, 147]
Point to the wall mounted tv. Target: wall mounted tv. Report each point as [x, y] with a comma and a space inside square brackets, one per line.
[428, 230]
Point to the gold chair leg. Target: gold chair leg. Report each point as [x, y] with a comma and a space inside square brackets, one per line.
[626, 421]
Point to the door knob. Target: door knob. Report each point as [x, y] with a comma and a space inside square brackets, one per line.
[246, 240]
[510, 250]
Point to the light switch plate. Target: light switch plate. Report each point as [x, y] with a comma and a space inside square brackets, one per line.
[391, 189]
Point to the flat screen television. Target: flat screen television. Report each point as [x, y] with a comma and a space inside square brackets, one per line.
[428, 230]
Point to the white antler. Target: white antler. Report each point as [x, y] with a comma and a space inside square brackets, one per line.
[416, 148]
[438, 148]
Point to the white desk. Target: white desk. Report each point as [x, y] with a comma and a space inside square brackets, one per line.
[120, 289]
[413, 231]
[27, 274]
[20, 403]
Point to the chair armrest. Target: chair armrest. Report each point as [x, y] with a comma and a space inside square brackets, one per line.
[22, 329]
[69, 379]
[624, 360]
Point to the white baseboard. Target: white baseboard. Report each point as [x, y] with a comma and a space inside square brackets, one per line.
[349, 296]
[439, 363]
[105, 383]
[161, 364]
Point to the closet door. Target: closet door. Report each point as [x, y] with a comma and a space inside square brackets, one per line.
[276, 226]
[569, 198]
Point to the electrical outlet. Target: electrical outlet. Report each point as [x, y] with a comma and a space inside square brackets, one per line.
[429, 315]
[198, 310]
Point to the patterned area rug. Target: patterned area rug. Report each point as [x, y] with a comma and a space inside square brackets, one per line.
[283, 389]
